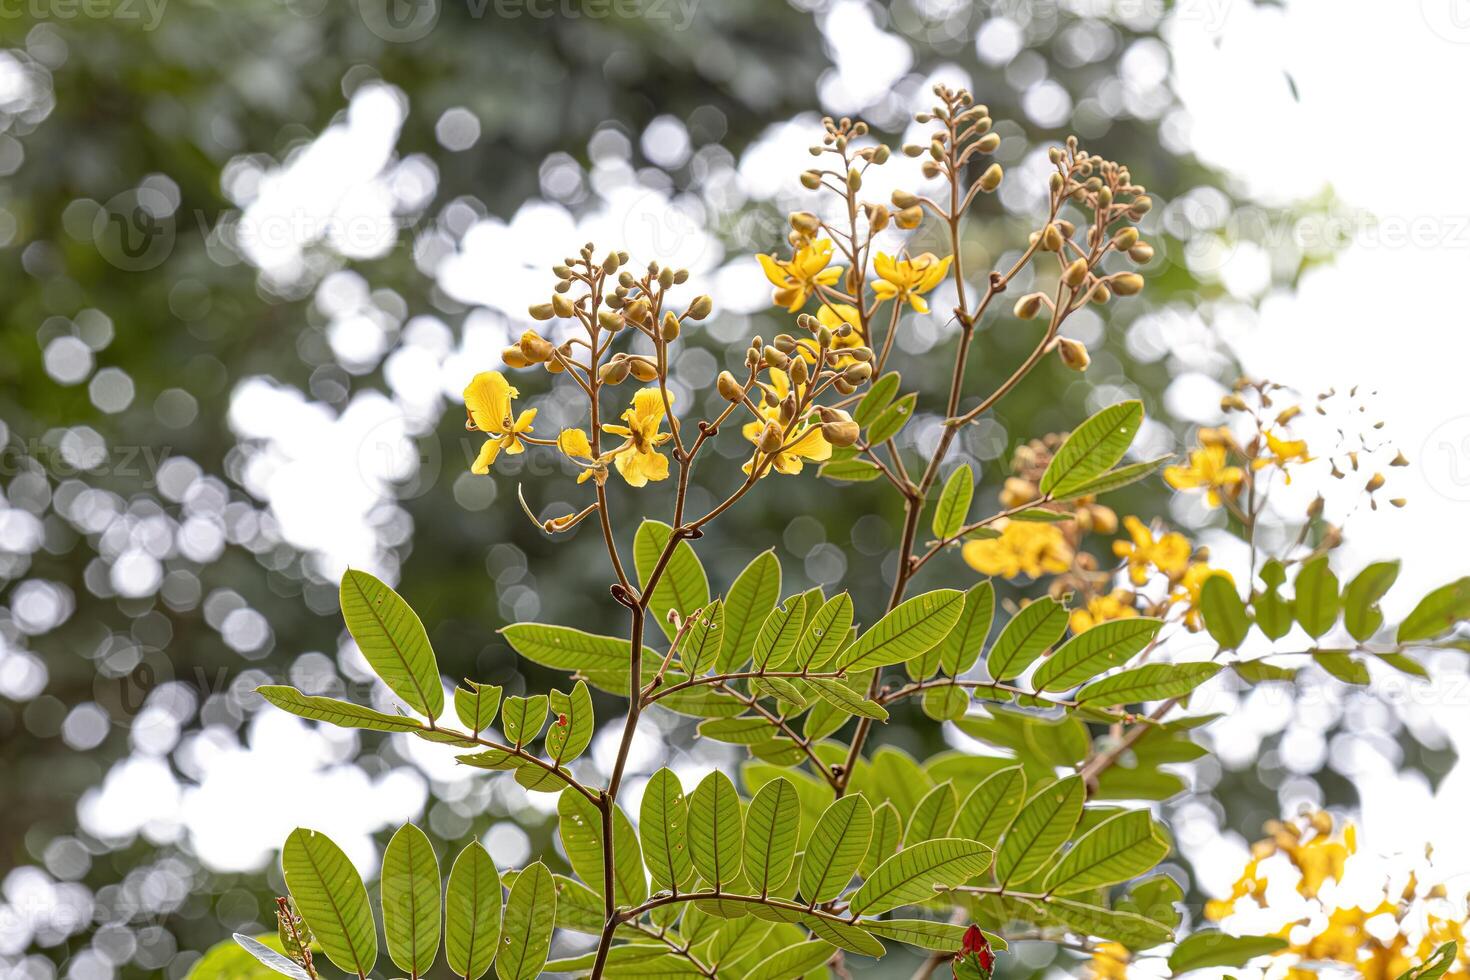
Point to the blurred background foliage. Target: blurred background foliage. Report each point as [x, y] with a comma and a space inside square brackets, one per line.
[250, 253]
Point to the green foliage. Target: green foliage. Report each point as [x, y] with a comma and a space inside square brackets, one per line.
[1092, 449]
[411, 901]
[1209, 948]
[393, 641]
[1029, 632]
[331, 898]
[473, 905]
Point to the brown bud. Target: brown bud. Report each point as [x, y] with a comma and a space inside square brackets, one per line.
[1051, 238]
[701, 307]
[798, 371]
[904, 199]
[730, 389]
[1076, 274]
[643, 369]
[1127, 284]
[561, 305]
[1142, 253]
[542, 311]
[535, 347]
[910, 218]
[614, 372]
[1029, 305]
[805, 222]
[1073, 354]
[513, 357]
[878, 216]
[771, 438]
[839, 429]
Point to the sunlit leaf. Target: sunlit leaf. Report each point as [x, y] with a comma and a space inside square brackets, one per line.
[274, 963]
[959, 650]
[836, 692]
[702, 643]
[954, 503]
[992, 806]
[1121, 847]
[1040, 829]
[824, 632]
[572, 724]
[779, 634]
[1437, 612]
[1211, 948]
[715, 832]
[472, 905]
[1092, 449]
[1316, 601]
[1094, 651]
[879, 396]
[682, 586]
[343, 714]
[910, 875]
[835, 848]
[662, 822]
[771, 824]
[793, 961]
[1151, 682]
[892, 419]
[330, 896]
[1113, 479]
[412, 905]
[522, 718]
[912, 628]
[1224, 614]
[1360, 611]
[476, 705]
[1029, 632]
[393, 641]
[564, 648]
[932, 817]
[751, 599]
[530, 916]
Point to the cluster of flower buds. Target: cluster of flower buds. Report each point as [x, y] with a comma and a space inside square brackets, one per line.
[536, 349]
[964, 132]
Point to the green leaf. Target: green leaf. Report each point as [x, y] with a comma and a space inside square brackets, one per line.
[932, 817]
[770, 835]
[959, 650]
[1152, 682]
[564, 648]
[779, 634]
[910, 875]
[472, 904]
[844, 935]
[850, 470]
[954, 503]
[1360, 599]
[992, 806]
[1128, 928]
[273, 961]
[530, 916]
[878, 398]
[735, 938]
[1224, 614]
[1121, 847]
[1042, 826]
[1274, 614]
[393, 641]
[887, 829]
[580, 828]
[1437, 965]
[892, 419]
[522, 718]
[1316, 597]
[412, 906]
[572, 724]
[343, 714]
[1343, 667]
[682, 586]
[476, 704]
[704, 640]
[941, 937]
[792, 962]
[715, 829]
[1101, 648]
[330, 896]
[1114, 479]
[662, 820]
[1040, 515]
[912, 628]
[751, 599]
[824, 632]
[1210, 948]
[578, 907]
[835, 848]
[835, 692]
[744, 730]
[1029, 632]
[1437, 612]
[948, 702]
[1092, 449]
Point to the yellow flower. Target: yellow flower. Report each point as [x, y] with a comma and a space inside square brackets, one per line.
[1283, 453]
[1169, 553]
[1109, 962]
[1102, 609]
[575, 444]
[488, 400]
[908, 279]
[809, 445]
[832, 316]
[638, 458]
[1023, 548]
[1190, 586]
[1209, 468]
[798, 278]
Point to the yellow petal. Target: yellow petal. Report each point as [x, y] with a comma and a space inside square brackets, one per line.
[773, 269]
[488, 396]
[488, 451]
[574, 443]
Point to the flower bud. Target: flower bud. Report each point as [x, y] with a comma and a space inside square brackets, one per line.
[666, 278]
[701, 307]
[643, 369]
[854, 180]
[730, 389]
[513, 357]
[904, 199]
[1073, 354]
[824, 336]
[535, 347]
[614, 372]
[857, 373]
[912, 150]
[1051, 238]
[805, 222]
[880, 153]
[838, 428]
[1125, 239]
[988, 143]
[991, 178]
[541, 311]
[669, 329]
[1101, 294]
[609, 321]
[784, 342]
[1141, 206]
[1141, 253]
[811, 179]
[910, 218]
[1076, 274]
[1127, 284]
[611, 263]
[636, 311]
[1029, 305]
[776, 359]
[771, 438]
[843, 386]
[878, 216]
[561, 306]
[798, 371]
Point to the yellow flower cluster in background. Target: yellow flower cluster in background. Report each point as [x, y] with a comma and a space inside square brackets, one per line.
[1379, 943]
[1023, 548]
